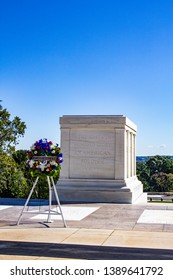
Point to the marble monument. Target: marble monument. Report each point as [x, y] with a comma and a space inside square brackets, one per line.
[99, 155]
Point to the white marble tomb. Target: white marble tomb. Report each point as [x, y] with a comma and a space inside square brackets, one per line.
[99, 155]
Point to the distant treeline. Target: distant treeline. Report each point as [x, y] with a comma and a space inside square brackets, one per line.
[145, 158]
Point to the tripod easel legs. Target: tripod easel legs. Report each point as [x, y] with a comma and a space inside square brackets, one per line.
[57, 199]
[26, 203]
[51, 188]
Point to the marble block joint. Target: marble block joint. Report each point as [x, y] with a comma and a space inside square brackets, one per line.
[99, 160]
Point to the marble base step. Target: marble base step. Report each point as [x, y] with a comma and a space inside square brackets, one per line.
[101, 191]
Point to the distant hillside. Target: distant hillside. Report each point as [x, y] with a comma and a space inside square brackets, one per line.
[144, 158]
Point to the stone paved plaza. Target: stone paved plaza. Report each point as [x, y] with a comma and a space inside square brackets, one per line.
[94, 231]
[149, 216]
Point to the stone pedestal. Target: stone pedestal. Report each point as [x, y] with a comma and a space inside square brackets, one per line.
[99, 160]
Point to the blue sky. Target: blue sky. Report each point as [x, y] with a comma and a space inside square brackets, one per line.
[98, 57]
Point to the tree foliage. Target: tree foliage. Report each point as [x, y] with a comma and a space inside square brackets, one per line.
[16, 179]
[158, 164]
[143, 173]
[156, 173]
[12, 180]
[10, 131]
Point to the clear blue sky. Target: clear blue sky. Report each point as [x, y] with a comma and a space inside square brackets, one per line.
[103, 57]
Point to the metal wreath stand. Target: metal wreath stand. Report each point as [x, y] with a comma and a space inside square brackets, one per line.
[51, 186]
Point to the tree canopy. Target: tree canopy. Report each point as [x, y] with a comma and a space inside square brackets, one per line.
[12, 180]
[156, 174]
[10, 131]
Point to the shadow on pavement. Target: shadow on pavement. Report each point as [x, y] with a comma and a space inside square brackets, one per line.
[87, 252]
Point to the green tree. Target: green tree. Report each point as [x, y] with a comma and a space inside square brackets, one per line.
[10, 131]
[159, 182]
[160, 164]
[12, 180]
[170, 181]
[143, 174]
[156, 173]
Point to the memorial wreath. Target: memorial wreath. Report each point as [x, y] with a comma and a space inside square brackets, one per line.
[44, 158]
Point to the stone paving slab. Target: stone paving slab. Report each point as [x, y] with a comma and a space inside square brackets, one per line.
[156, 216]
